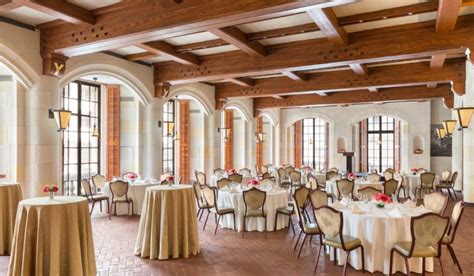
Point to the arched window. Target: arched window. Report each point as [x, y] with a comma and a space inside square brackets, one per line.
[314, 143]
[169, 118]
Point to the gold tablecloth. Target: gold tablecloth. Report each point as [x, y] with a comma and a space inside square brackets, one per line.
[10, 196]
[168, 223]
[53, 237]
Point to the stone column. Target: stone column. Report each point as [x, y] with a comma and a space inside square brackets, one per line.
[212, 143]
[152, 142]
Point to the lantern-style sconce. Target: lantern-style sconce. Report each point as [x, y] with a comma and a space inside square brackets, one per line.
[95, 131]
[441, 132]
[226, 132]
[169, 128]
[464, 116]
[62, 118]
[259, 136]
[449, 126]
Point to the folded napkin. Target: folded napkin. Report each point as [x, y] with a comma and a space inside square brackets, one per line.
[409, 204]
[357, 210]
[233, 190]
[338, 205]
[395, 213]
[225, 188]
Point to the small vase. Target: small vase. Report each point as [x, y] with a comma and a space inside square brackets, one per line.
[51, 195]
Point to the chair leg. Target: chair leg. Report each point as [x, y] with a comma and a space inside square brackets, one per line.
[110, 211]
[205, 222]
[92, 209]
[317, 258]
[133, 208]
[449, 192]
[304, 240]
[407, 265]
[422, 266]
[243, 229]
[363, 259]
[454, 193]
[391, 262]
[199, 211]
[217, 224]
[202, 212]
[455, 259]
[298, 240]
[275, 226]
[292, 226]
[128, 210]
[100, 203]
[345, 265]
[335, 255]
[235, 226]
[108, 206]
[441, 265]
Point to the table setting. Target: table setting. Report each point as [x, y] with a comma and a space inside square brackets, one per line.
[359, 183]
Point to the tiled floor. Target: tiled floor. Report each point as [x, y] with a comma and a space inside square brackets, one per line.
[228, 254]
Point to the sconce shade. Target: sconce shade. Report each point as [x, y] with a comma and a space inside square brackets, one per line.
[441, 132]
[170, 128]
[449, 126]
[226, 132]
[62, 118]
[259, 136]
[95, 131]
[464, 116]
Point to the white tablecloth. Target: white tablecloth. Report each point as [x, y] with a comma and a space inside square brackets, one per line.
[332, 188]
[136, 192]
[378, 233]
[215, 178]
[273, 201]
[412, 181]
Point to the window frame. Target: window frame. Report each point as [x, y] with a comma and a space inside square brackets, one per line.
[168, 140]
[380, 133]
[313, 134]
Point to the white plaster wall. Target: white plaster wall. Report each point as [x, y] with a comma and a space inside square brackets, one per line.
[8, 127]
[239, 146]
[268, 144]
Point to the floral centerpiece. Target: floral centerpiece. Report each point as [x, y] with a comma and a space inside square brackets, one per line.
[232, 171]
[414, 171]
[381, 199]
[170, 180]
[253, 182]
[2, 176]
[51, 189]
[131, 176]
[351, 176]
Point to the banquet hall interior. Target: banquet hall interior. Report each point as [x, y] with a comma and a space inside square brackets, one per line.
[236, 137]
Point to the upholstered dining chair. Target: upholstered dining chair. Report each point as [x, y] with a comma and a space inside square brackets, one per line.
[334, 169]
[210, 197]
[368, 191]
[388, 174]
[92, 197]
[300, 198]
[245, 172]
[286, 211]
[235, 177]
[373, 177]
[449, 185]
[289, 169]
[201, 203]
[283, 178]
[401, 187]
[445, 176]
[200, 177]
[312, 183]
[331, 175]
[345, 187]
[98, 181]
[390, 187]
[218, 171]
[267, 182]
[267, 175]
[427, 232]
[254, 201]
[436, 202]
[448, 239]
[295, 178]
[119, 190]
[426, 183]
[223, 182]
[330, 222]
[318, 198]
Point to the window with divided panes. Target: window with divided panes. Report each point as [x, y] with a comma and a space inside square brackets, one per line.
[314, 143]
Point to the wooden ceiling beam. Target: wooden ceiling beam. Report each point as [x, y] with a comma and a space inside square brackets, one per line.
[437, 61]
[237, 38]
[165, 49]
[448, 11]
[201, 45]
[359, 69]
[8, 5]
[381, 77]
[356, 97]
[144, 25]
[246, 82]
[294, 75]
[141, 56]
[414, 41]
[326, 20]
[62, 10]
[169, 3]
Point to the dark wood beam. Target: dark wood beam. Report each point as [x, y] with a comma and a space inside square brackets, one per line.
[359, 69]
[449, 102]
[237, 38]
[141, 56]
[327, 22]
[294, 75]
[62, 10]
[381, 77]
[168, 3]
[8, 5]
[448, 11]
[246, 82]
[437, 61]
[201, 45]
[413, 41]
[151, 22]
[356, 97]
[165, 49]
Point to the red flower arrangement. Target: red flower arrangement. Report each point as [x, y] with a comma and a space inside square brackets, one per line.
[381, 199]
[50, 189]
[2, 176]
[351, 176]
[131, 176]
[253, 182]
[414, 170]
[170, 179]
[232, 171]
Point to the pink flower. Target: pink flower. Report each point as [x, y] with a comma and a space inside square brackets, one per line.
[253, 182]
[351, 176]
[3, 176]
[50, 188]
[232, 171]
[382, 197]
[170, 178]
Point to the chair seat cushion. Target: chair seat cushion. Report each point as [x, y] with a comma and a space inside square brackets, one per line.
[225, 210]
[425, 186]
[255, 213]
[288, 210]
[203, 205]
[122, 200]
[419, 251]
[311, 228]
[443, 186]
[99, 197]
[349, 242]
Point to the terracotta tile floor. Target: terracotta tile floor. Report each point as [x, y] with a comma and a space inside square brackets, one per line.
[228, 254]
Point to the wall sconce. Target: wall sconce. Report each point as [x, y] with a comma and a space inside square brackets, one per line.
[226, 133]
[95, 131]
[464, 116]
[62, 117]
[449, 126]
[169, 129]
[259, 136]
[441, 132]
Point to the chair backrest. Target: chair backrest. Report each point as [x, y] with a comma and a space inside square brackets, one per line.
[282, 175]
[267, 175]
[329, 221]
[427, 178]
[198, 193]
[436, 202]
[373, 177]
[209, 194]
[334, 169]
[200, 177]
[219, 171]
[345, 187]
[453, 178]
[428, 230]
[235, 177]
[119, 188]
[266, 182]
[300, 197]
[458, 209]
[318, 198]
[245, 172]
[368, 191]
[254, 199]
[289, 169]
[331, 174]
[165, 182]
[387, 174]
[295, 177]
[99, 181]
[390, 187]
[223, 182]
[400, 185]
[264, 169]
[86, 186]
[445, 175]
[312, 182]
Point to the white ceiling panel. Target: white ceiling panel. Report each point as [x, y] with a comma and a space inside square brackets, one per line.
[94, 4]
[390, 22]
[276, 23]
[214, 50]
[129, 50]
[371, 5]
[28, 16]
[291, 38]
[192, 38]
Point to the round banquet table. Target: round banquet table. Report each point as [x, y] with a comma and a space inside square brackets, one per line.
[235, 199]
[379, 231]
[168, 225]
[136, 192]
[10, 196]
[331, 187]
[215, 178]
[413, 181]
[53, 237]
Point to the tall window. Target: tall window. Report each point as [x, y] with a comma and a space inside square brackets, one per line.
[81, 151]
[380, 143]
[314, 146]
[168, 140]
